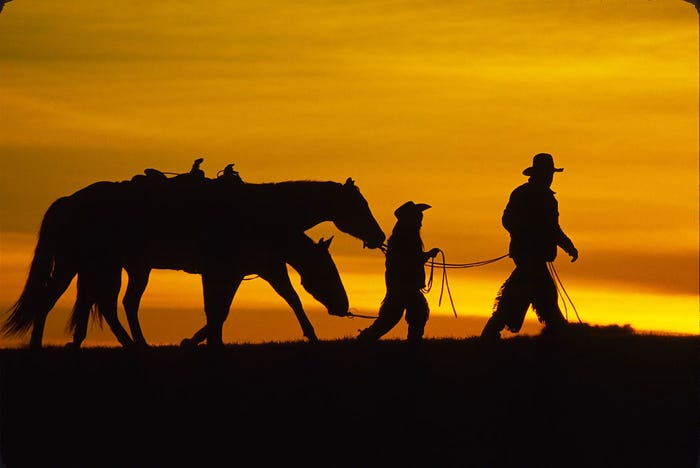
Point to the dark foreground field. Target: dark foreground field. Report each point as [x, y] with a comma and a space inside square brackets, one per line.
[602, 398]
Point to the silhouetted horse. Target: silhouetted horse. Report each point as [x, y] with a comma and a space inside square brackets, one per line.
[313, 262]
[196, 225]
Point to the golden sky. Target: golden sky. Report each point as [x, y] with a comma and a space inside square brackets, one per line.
[441, 102]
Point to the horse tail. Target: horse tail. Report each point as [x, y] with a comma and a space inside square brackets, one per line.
[23, 312]
[77, 313]
[77, 316]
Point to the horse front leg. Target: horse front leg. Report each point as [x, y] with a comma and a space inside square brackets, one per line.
[218, 290]
[136, 286]
[280, 282]
[197, 338]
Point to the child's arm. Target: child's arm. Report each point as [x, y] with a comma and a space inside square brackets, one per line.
[431, 253]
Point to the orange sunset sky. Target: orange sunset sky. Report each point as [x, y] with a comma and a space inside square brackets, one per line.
[441, 102]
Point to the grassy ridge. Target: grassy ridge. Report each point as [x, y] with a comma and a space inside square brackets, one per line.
[601, 397]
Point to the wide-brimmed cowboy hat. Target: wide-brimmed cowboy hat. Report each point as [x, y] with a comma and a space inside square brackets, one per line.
[542, 163]
[410, 209]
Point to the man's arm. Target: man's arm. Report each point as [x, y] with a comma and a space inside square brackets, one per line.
[566, 244]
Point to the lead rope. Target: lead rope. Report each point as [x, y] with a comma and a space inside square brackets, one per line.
[560, 288]
[474, 264]
[444, 284]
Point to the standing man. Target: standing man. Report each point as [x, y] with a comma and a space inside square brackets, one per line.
[532, 219]
[404, 277]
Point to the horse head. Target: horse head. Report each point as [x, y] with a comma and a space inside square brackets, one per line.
[320, 277]
[355, 218]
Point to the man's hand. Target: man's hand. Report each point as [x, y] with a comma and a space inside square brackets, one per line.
[574, 254]
[432, 253]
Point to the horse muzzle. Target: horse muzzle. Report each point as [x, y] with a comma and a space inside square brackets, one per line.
[373, 244]
[339, 309]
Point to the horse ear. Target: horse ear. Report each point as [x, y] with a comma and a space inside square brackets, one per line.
[325, 243]
[349, 182]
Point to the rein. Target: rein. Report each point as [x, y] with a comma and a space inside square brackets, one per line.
[353, 315]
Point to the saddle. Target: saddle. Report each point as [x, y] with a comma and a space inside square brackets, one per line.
[195, 175]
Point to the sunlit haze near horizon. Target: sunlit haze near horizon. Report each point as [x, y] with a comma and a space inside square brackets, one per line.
[439, 102]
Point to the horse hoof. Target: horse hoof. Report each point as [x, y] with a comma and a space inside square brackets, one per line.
[188, 343]
[72, 345]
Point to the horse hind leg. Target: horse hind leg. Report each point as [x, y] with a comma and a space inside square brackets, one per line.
[58, 284]
[107, 301]
[218, 294]
[136, 286]
[81, 312]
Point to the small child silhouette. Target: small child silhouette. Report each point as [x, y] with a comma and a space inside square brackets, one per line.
[404, 277]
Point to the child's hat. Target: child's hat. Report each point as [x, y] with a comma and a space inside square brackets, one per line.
[410, 209]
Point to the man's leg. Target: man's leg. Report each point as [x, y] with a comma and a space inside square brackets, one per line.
[546, 299]
[510, 306]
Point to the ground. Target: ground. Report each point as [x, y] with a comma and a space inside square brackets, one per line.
[598, 397]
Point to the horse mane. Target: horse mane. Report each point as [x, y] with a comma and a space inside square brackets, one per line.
[296, 188]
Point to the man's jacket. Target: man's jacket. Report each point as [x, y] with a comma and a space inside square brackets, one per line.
[532, 219]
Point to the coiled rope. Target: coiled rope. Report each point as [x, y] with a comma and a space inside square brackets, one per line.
[560, 289]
